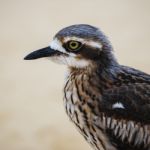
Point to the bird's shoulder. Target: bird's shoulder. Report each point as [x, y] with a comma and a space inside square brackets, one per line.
[138, 75]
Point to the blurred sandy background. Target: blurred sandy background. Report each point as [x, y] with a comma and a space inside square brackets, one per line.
[32, 116]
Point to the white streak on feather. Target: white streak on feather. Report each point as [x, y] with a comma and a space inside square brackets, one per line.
[118, 105]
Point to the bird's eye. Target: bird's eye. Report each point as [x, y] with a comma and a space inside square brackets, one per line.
[74, 45]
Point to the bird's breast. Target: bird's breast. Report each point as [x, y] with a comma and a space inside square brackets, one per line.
[78, 103]
[80, 109]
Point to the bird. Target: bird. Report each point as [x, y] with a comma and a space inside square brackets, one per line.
[109, 103]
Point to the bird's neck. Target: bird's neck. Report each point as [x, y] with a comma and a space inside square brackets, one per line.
[100, 77]
[97, 69]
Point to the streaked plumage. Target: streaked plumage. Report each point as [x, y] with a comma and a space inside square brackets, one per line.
[109, 103]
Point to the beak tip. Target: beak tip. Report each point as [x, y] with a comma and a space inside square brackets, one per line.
[27, 57]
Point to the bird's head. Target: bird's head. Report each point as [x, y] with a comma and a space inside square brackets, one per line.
[77, 46]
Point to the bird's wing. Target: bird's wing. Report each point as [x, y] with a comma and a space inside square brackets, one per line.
[127, 111]
[130, 102]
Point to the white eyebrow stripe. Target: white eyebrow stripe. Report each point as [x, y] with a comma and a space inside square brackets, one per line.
[94, 44]
[84, 41]
[56, 45]
[118, 105]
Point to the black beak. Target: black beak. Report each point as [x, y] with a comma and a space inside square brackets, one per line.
[44, 52]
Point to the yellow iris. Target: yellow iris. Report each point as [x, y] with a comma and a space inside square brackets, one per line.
[74, 45]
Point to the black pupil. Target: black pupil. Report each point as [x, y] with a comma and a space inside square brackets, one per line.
[73, 44]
